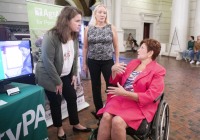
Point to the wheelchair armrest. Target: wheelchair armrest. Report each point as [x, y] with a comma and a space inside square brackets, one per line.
[160, 97]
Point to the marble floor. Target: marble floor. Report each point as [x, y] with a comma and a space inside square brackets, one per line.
[182, 92]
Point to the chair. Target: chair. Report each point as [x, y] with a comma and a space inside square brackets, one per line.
[158, 129]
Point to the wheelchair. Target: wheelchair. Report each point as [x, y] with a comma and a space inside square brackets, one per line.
[158, 129]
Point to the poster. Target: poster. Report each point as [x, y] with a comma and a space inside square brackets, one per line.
[42, 17]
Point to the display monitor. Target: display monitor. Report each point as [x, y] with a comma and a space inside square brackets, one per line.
[15, 61]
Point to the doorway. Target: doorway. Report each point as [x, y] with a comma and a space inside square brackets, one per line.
[146, 32]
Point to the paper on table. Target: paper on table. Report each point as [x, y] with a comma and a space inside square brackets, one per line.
[2, 102]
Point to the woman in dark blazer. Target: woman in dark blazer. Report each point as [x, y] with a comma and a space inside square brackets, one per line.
[56, 69]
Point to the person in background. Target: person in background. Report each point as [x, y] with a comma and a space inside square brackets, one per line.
[196, 51]
[132, 43]
[135, 46]
[99, 39]
[188, 54]
[38, 44]
[131, 100]
[56, 69]
[24, 47]
[130, 40]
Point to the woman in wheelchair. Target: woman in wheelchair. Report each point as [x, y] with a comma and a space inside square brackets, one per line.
[131, 99]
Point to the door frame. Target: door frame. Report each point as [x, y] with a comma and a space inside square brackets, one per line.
[153, 19]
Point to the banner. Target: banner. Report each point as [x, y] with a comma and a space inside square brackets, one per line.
[42, 17]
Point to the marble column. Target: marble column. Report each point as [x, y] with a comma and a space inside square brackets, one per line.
[197, 20]
[116, 13]
[179, 28]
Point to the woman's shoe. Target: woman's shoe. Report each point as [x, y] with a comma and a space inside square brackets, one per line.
[64, 137]
[82, 130]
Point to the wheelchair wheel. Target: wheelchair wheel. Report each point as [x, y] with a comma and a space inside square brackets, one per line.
[93, 135]
[161, 131]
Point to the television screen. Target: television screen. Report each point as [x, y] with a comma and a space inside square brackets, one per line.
[15, 59]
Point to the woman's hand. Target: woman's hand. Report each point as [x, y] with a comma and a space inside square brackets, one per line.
[85, 68]
[74, 81]
[59, 89]
[119, 67]
[119, 90]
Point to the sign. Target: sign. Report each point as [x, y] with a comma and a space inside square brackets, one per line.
[23, 115]
[41, 17]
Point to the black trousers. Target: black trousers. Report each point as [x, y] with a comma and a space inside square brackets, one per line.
[96, 67]
[70, 96]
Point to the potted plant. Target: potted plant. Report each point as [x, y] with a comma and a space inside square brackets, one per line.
[2, 19]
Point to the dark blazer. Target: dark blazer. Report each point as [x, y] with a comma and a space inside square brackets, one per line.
[50, 64]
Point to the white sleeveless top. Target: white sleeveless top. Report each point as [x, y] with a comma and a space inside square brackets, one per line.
[68, 57]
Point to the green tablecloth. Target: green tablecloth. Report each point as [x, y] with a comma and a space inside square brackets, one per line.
[23, 117]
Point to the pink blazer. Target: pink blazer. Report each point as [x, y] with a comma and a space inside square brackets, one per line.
[149, 84]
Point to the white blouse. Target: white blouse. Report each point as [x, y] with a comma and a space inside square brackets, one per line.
[68, 57]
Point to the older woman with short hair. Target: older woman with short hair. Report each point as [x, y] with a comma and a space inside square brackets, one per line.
[137, 85]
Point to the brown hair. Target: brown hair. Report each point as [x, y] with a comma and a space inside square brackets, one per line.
[152, 45]
[61, 29]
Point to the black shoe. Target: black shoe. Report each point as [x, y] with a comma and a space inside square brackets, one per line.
[82, 130]
[64, 137]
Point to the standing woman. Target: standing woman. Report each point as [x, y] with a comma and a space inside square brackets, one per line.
[56, 69]
[99, 39]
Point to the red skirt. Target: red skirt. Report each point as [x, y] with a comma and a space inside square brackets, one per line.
[124, 107]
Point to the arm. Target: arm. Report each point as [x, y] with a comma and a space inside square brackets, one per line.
[115, 44]
[120, 69]
[48, 54]
[120, 91]
[76, 54]
[188, 45]
[85, 50]
[155, 87]
[75, 64]
[117, 69]
[195, 49]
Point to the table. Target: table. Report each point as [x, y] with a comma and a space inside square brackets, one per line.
[23, 116]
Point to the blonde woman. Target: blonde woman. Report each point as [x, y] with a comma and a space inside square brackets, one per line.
[99, 40]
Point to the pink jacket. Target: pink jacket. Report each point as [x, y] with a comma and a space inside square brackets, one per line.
[149, 84]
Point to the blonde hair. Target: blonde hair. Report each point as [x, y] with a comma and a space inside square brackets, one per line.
[93, 19]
